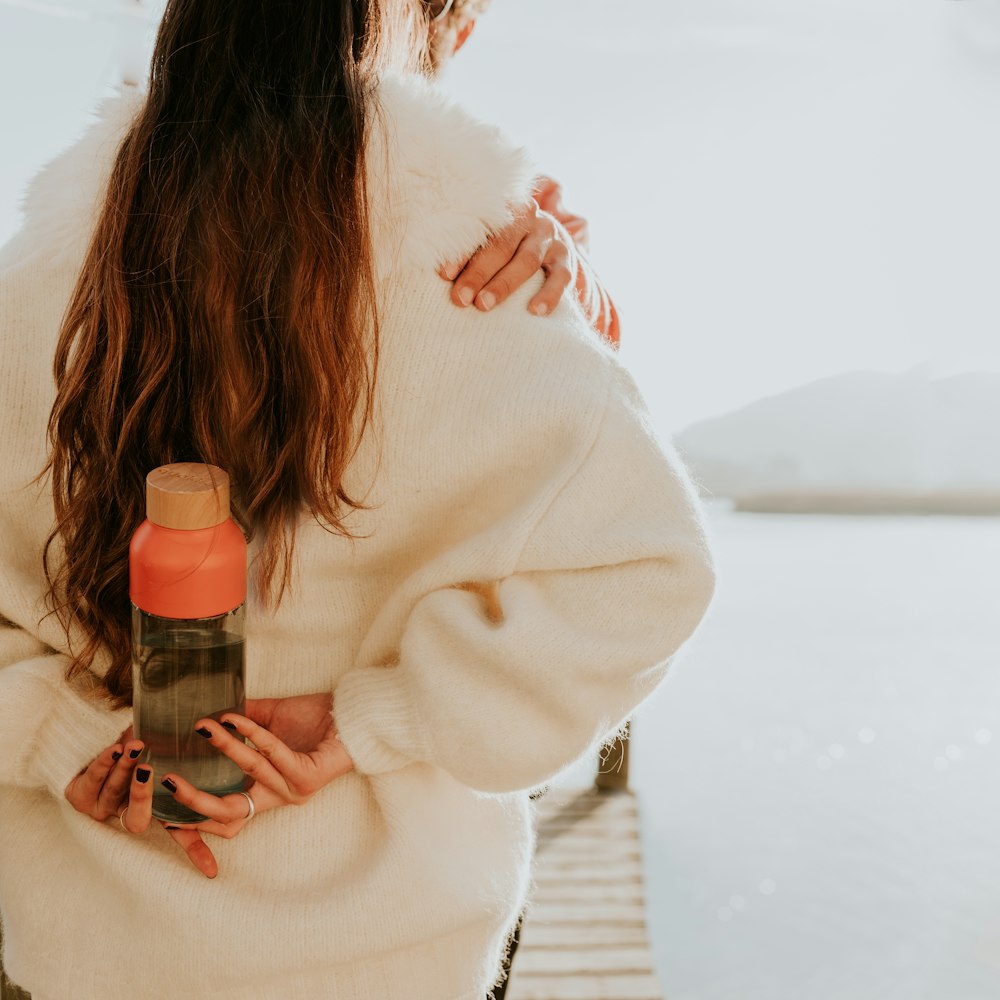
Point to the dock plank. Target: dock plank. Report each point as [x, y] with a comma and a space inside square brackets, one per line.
[639, 987]
[553, 937]
[587, 912]
[551, 961]
[575, 891]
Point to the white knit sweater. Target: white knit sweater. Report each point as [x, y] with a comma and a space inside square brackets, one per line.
[510, 451]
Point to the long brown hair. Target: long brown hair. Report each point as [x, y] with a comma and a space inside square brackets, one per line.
[226, 307]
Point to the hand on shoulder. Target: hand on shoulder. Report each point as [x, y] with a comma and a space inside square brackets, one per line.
[543, 236]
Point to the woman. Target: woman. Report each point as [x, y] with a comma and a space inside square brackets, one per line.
[472, 559]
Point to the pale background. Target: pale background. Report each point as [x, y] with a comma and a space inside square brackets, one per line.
[779, 191]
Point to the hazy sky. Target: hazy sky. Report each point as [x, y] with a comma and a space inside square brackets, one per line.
[777, 190]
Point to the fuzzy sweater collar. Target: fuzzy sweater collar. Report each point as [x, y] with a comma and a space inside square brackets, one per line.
[438, 180]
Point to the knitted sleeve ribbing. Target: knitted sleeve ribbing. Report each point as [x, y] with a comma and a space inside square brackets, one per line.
[56, 727]
[507, 682]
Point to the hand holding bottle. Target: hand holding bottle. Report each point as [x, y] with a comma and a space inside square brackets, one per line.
[115, 784]
[111, 781]
[296, 752]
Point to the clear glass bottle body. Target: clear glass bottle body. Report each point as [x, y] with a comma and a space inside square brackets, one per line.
[184, 670]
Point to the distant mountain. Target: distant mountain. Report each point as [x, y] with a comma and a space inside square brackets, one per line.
[864, 431]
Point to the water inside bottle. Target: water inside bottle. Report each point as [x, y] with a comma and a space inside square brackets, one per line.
[181, 676]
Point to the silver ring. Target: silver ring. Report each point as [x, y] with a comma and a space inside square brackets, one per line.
[246, 795]
[121, 819]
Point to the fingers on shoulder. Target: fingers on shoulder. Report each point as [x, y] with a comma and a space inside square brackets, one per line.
[497, 252]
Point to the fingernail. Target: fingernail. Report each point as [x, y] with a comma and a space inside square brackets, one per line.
[135, 753]
[142, 774]
[165, 827]
[450, 271]
[230, 726]
[487, 300]
[169, 785]
[541, 309]
[116, 755]
[203, 731]
[465, 295]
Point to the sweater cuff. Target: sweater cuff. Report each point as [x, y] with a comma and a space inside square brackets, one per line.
[76, 730]
[376, 720]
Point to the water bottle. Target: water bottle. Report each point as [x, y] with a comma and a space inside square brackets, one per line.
[187, 585]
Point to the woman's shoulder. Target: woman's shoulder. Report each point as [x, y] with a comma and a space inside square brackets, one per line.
[510, 394]
[439, 179]
[61, 202]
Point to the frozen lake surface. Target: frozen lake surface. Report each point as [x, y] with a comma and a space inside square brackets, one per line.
[818, 776]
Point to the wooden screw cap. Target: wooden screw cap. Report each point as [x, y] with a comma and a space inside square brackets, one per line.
[187, 495]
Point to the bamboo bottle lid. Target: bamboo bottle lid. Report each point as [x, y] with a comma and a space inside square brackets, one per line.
[187, 495]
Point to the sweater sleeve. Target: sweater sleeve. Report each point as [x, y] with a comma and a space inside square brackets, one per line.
[505, 683]
[51, 728]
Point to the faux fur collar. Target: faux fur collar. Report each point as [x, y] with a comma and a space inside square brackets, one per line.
[438, 180]
[438, 177]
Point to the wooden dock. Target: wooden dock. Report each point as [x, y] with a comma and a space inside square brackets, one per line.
[584, 934]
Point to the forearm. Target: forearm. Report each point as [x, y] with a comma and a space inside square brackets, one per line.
[506, 706]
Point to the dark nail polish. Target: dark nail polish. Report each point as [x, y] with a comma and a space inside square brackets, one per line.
[116, 755]
[169, 785]
[202, 731]
[134, 753]
[142, 775]
[171, 827]
[230, 726]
